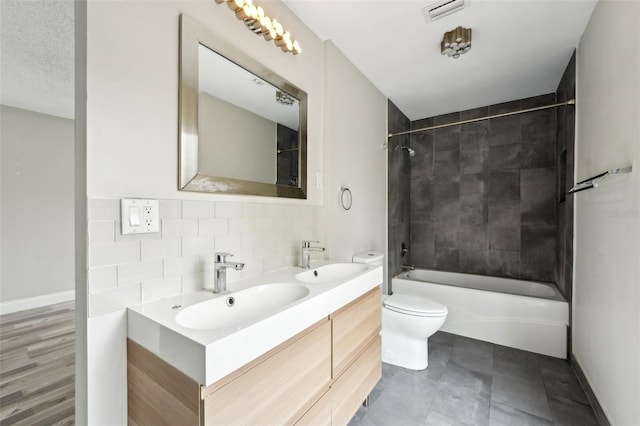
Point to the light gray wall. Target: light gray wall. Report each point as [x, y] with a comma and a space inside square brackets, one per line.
[37, 206]
[234, 142]
[606, 290]
[355, 129]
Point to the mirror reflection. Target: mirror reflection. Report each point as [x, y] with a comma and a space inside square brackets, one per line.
[247, 128]
[243, 128]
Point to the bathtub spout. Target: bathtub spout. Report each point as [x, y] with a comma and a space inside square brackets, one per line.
[407, 267]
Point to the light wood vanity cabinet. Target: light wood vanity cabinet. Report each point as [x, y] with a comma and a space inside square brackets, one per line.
[318, 377]
[279, 389]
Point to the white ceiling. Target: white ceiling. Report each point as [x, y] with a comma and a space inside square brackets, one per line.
[520, 48]
[37, 56]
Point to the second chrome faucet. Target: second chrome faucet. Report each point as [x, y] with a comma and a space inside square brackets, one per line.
[220, 283]
[306, 252]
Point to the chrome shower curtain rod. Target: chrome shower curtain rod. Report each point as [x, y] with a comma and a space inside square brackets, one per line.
[473, 120]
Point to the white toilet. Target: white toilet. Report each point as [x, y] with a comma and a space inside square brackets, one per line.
[407, 322]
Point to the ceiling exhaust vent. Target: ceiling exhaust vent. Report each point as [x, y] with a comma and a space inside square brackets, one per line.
[442, 8]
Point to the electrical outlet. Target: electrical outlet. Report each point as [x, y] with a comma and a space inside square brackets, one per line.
[139, 216]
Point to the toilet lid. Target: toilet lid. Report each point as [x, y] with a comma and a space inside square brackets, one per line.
[414, 305]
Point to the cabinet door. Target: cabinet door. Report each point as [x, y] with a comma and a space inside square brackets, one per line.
[354, 327]
[352, 388]
[280, 389]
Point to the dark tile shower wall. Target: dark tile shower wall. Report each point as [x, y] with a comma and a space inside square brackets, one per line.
[287, 158]
[565, 150]
[483, 194]
[399, 205]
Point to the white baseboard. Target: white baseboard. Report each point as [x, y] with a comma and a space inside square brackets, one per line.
[36, 302]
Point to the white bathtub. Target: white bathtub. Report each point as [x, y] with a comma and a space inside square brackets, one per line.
[526, 315]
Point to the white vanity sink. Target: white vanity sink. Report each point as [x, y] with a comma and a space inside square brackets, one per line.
[240, 308]
[331, 273]
[200, 335]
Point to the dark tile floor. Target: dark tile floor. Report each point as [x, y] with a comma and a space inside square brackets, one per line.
[470, 382]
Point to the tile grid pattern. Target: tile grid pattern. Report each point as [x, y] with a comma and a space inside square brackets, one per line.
[470, 382]
[126, 270]
[483, 194]
[37, 366]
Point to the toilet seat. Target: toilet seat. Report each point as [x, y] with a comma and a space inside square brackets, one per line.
[414, 305]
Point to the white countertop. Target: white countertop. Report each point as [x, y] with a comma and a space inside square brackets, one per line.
[209, 355]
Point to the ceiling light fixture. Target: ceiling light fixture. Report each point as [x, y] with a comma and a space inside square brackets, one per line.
[284, 98]
[260, 24]
[456, 42]
[442, 8]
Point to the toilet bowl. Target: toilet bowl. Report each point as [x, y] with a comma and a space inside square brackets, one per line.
[407, 322]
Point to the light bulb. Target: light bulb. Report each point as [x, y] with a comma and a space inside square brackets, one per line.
[235, 5]
[296, 47]
[278, 27]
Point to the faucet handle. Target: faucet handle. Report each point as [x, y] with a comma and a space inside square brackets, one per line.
[307, 243]
[221, 256]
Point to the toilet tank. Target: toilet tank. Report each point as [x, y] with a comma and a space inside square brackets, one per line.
[370, 257]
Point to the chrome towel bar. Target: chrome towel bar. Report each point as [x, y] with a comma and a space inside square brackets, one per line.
[594, 181]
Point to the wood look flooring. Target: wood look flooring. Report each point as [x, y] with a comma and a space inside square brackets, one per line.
[37, 366]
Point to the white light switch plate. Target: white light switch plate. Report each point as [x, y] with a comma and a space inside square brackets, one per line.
[139, 216]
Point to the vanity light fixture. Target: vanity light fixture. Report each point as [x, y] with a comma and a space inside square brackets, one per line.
[456, 42]
[260, 24]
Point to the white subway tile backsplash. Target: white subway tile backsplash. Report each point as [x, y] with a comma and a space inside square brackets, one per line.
[161, 249]
[102, 231]
[161, 288]
[198, 209]
[125, 270]
[170, 209]
[133, 237]
[194, 282]
[212, 227]
[103, 278]
[179, 228]
[113, 254]
[253, 268]
[113, 300]
[232, 275]
[104, 209]
[228, 243]
[197, 245]
[252, 210]
[178, 266]
[226, 210]
[278, 262]
[137, 272]
[240, 226]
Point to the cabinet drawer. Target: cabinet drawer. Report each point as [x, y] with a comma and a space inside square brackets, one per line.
[354, 327]
[319, 414]
[278, 390]
[357, 382]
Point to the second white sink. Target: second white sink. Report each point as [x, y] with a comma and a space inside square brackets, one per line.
[330, 273]
[240, 308]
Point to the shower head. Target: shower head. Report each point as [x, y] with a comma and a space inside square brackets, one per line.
[409, 150]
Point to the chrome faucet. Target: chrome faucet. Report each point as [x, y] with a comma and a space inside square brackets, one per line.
[306, 252]
[220, 283]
